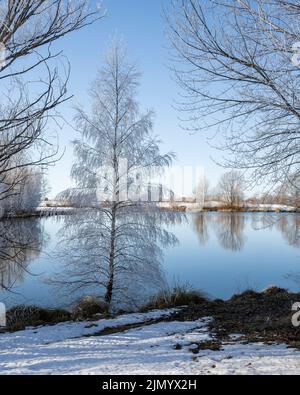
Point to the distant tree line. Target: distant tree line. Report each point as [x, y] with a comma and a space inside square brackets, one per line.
[232, 191]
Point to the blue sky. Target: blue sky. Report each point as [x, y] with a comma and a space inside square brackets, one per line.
[141, 25]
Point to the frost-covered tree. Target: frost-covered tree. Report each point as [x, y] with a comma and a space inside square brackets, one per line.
[202, 190]
[31, 190]
[115, 156]
[25, 195]
[123, 268]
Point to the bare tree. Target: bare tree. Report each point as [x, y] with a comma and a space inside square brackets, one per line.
[32, 87]
[288, 191]
[231, 188]
[238, 64]
[120, 236]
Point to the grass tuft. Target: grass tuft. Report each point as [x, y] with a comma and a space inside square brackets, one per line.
[89, 306]
[20, 317]
[180, 295]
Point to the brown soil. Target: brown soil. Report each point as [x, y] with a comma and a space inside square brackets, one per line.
[259, 317]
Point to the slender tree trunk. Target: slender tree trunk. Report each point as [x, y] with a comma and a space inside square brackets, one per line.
[110, 283]
[111, 269]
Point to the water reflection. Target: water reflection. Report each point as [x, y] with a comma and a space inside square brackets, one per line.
[230, 231]
[20, 243]
[264, 249]
[290, 229]
[229, 228]
[85, 250]
[201, 223]
[287, 225]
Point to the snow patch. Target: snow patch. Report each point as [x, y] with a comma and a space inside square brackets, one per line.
[158, 349]
[70, 330]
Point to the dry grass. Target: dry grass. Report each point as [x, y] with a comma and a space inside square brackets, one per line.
[89, 306]
[178, 296]
[258, 316]
[20, 317]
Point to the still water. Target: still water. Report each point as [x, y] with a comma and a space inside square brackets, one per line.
[218, 253]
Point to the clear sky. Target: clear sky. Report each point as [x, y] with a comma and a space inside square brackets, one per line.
[140, 23]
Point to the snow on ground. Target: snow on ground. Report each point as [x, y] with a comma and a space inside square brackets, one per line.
[271, 207]
[214, 205]
[71, 330]
[54, 210]
[149, 349]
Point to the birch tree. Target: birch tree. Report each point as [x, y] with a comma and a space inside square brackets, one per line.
[120, 236]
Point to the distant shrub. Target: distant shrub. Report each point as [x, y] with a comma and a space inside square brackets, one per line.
[273, 290]
[248, 294]
[89, 306]
[20, 317]
[180, 295]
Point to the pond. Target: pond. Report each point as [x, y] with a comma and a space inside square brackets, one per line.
[218, 253]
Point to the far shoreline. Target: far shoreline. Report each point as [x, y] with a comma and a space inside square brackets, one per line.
[220, 207]
[188, 208]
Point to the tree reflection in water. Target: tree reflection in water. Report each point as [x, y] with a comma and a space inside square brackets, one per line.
[230, 231]
[141, 240]
[20, 242]
[289, 226]
[201, 228]
[229, 228]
